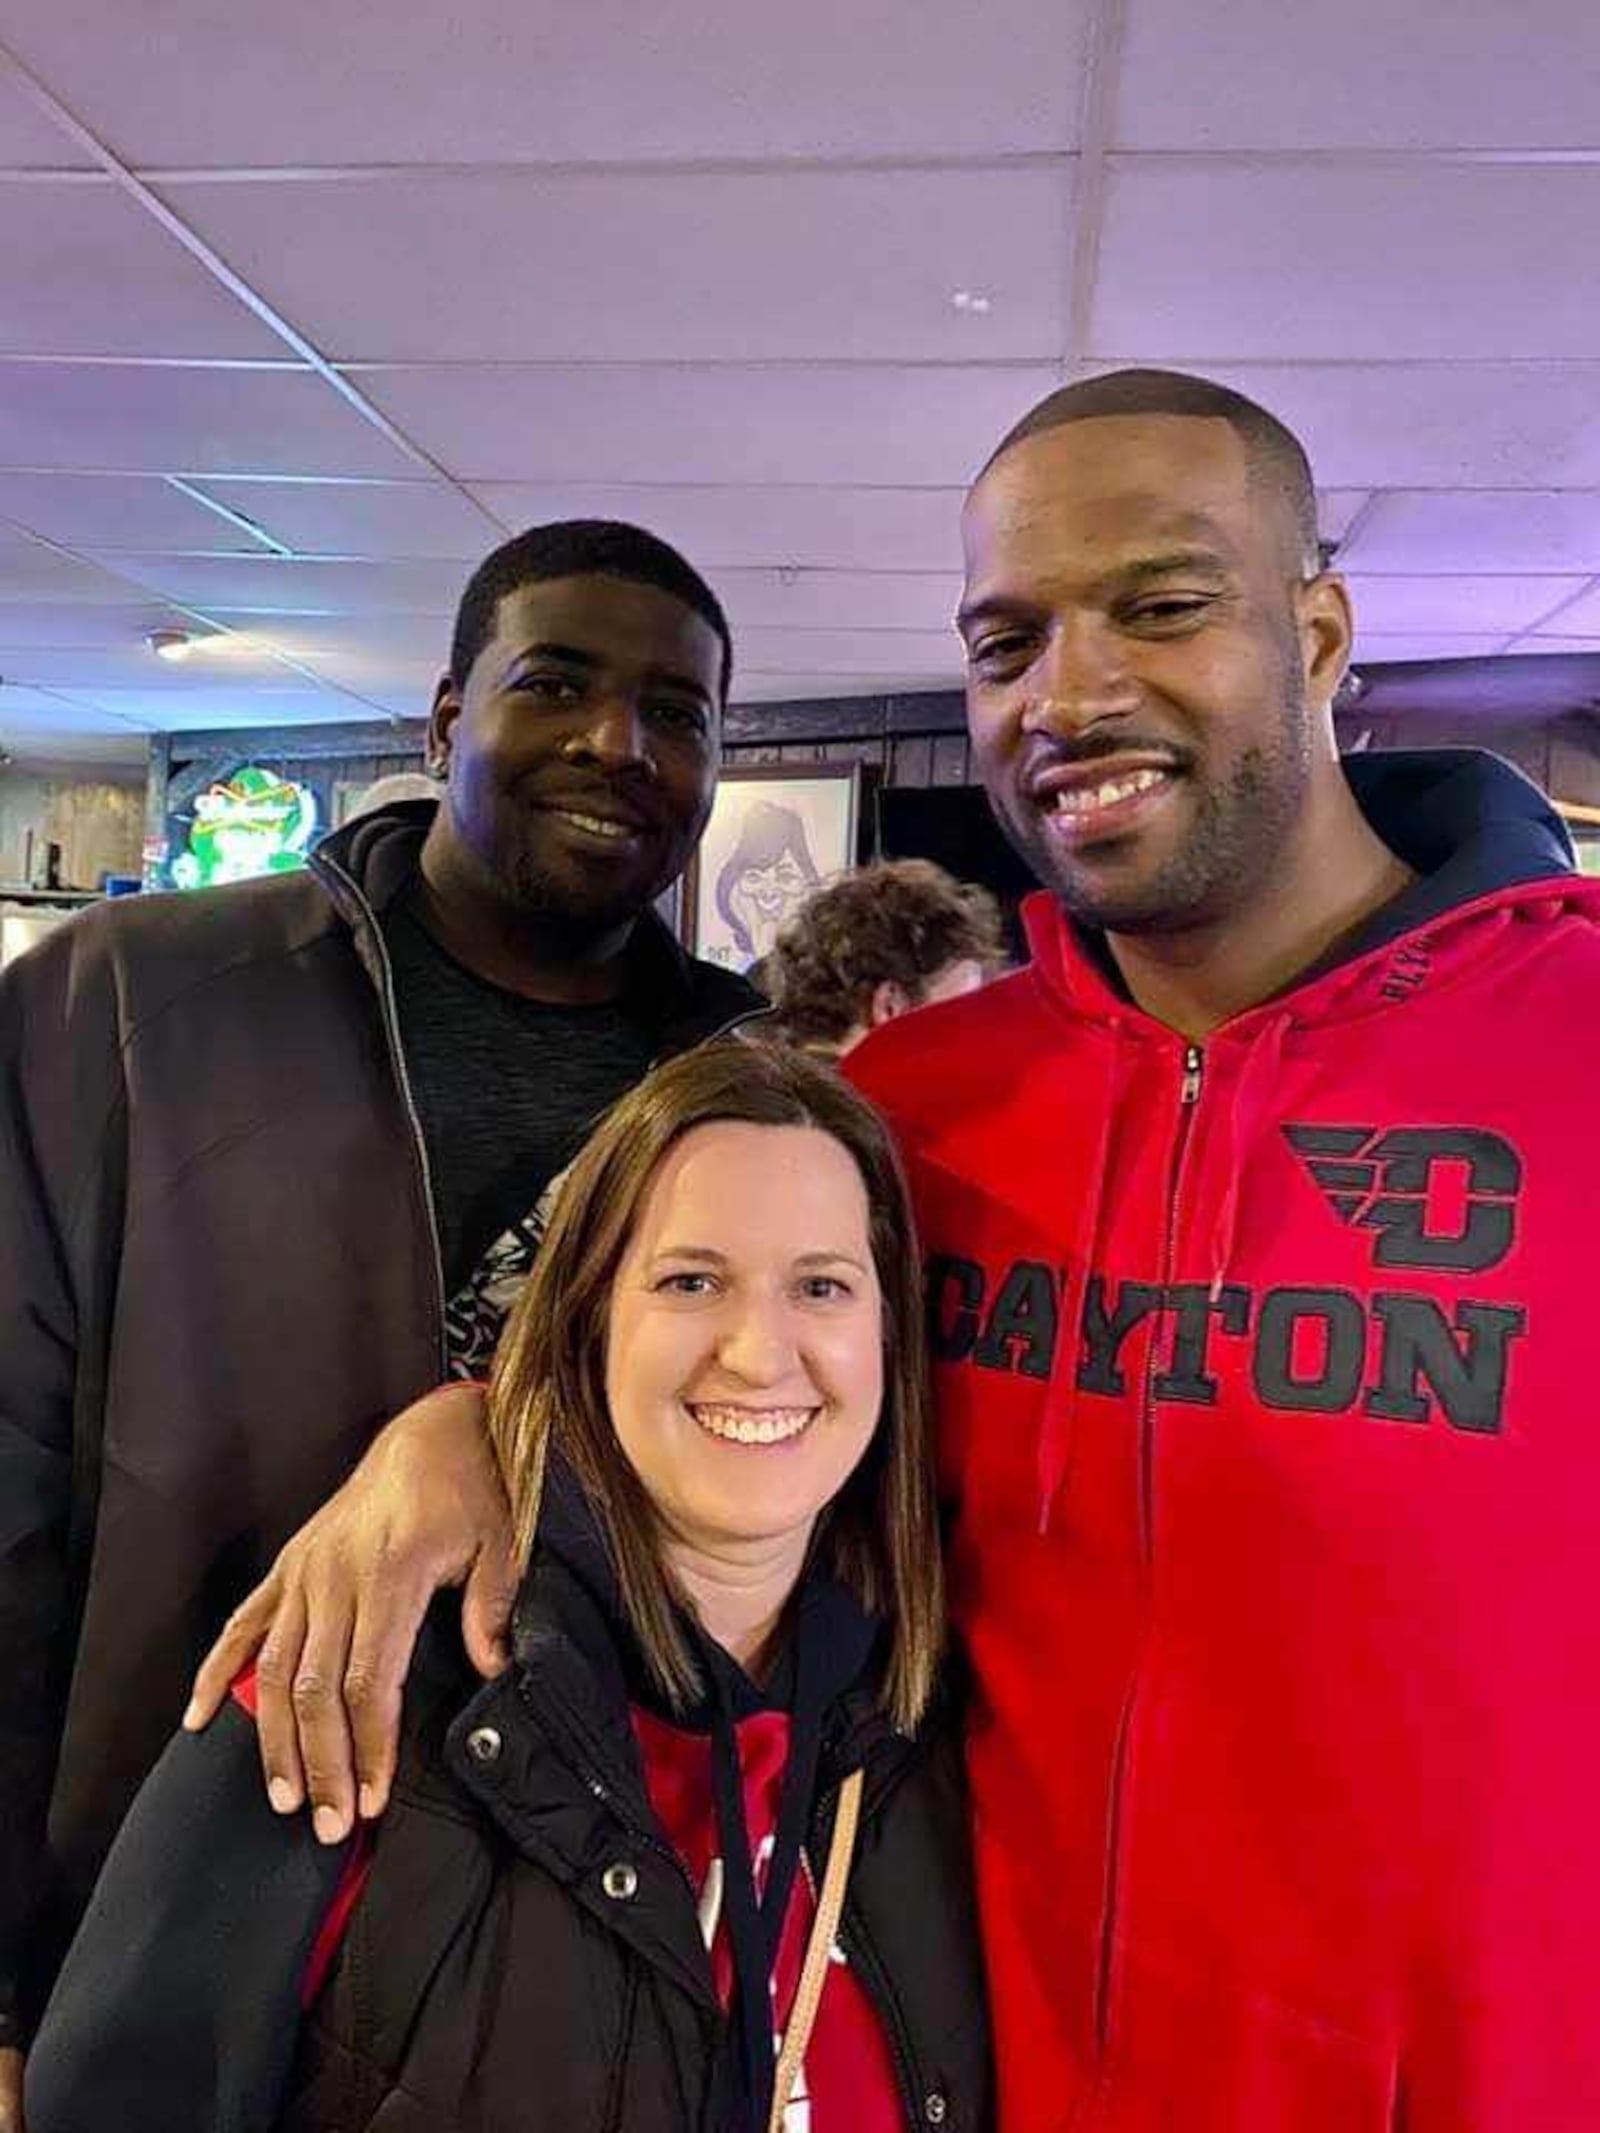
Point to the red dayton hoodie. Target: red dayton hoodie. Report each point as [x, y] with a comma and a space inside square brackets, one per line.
[1269, 1392]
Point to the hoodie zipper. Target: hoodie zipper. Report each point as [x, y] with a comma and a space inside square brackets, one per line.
[390, 1012]
[1189, 1089]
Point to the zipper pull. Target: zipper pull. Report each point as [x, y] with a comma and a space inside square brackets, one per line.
[1194, 1066]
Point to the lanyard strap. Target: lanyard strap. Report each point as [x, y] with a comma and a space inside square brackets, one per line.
[824, 1928]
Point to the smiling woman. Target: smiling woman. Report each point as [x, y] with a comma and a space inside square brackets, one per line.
[715, 1795]
[731, 1260]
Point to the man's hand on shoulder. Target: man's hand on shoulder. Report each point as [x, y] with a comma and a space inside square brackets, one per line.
[333, 1626]
[10, 2092]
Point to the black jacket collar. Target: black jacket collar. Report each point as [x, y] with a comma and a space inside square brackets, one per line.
[369, 862]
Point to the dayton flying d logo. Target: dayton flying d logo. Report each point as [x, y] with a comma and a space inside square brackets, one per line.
[1442, 1198]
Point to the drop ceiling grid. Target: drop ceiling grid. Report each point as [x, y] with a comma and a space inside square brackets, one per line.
[800, 419]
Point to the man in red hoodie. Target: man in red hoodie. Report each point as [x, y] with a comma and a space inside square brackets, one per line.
[1259, 1246]
[1259, 1256]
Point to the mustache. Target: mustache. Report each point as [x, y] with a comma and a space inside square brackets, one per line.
[631, 799]
[1057, 754]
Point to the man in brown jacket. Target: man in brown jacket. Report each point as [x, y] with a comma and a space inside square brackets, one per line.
[270, 1161]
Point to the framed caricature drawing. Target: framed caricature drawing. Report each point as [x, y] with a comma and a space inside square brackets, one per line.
[777, 831]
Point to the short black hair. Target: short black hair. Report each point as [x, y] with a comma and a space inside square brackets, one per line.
[579, 548]
[1275, 454]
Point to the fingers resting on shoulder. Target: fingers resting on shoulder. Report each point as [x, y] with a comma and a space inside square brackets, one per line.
[332, 1628]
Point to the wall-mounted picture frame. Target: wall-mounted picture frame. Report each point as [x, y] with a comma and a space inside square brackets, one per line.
[777, 831]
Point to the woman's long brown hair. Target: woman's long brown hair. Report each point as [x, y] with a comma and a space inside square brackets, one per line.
[880, 1535]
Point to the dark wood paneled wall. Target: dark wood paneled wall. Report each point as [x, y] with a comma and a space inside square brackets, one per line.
[909, 740]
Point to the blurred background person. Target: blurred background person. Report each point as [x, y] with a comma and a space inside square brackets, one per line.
[875, 944]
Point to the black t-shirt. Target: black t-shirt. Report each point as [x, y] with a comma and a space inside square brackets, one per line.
[508, 1090]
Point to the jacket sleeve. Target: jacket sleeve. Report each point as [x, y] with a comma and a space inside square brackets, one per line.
[179, 2004]
[60, 1086]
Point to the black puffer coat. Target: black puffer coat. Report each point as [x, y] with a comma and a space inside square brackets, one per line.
[525, 1957]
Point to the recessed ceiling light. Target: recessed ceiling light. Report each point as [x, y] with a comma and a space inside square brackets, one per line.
[170, 644]
[973, 302]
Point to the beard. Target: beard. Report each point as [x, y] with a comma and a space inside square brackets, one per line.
[1241, 819]
[573, 899]
[567, 902]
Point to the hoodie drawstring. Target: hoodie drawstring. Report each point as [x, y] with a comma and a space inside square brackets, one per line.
[755, 1924]
[1255, 1092]
[1061, 1399]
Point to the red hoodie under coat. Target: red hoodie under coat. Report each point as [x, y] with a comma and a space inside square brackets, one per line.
[1264, 1391]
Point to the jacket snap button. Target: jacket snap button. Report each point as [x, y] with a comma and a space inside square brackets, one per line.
[620, 1881]
[935, 2109]
[483, 1744]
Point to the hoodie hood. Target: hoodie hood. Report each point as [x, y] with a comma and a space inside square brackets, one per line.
[1472, 827]
[1467, 823]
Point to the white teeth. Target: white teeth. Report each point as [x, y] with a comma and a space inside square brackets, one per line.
[1083, 799]
[746, 1425]
[597, 825]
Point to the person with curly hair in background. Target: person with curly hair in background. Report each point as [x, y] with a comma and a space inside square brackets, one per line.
[875, 944]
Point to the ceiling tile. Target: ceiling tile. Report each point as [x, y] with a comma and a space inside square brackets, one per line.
[31, 141]
[159, 421]
[1454, 276]
[623, 267]
[30, 625]
[84, 668]
[1256, 74]
[196, 710]
[101, 748]
[932, 655]
[32, 573]
[1549, 645]
[1436, 425]
[272, 584]
[827, 599]
[88, 272]
[724, 528]
[34, 725]
[821, 422]
[1490, 531]
[115, 511]
[1478, 606]
[1580, 619]
[404, 691]
[25, 710]
[396, 640]
[1377, 649]
[366, 82]
[1338, 509]
[416, 519]
[777, 687]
